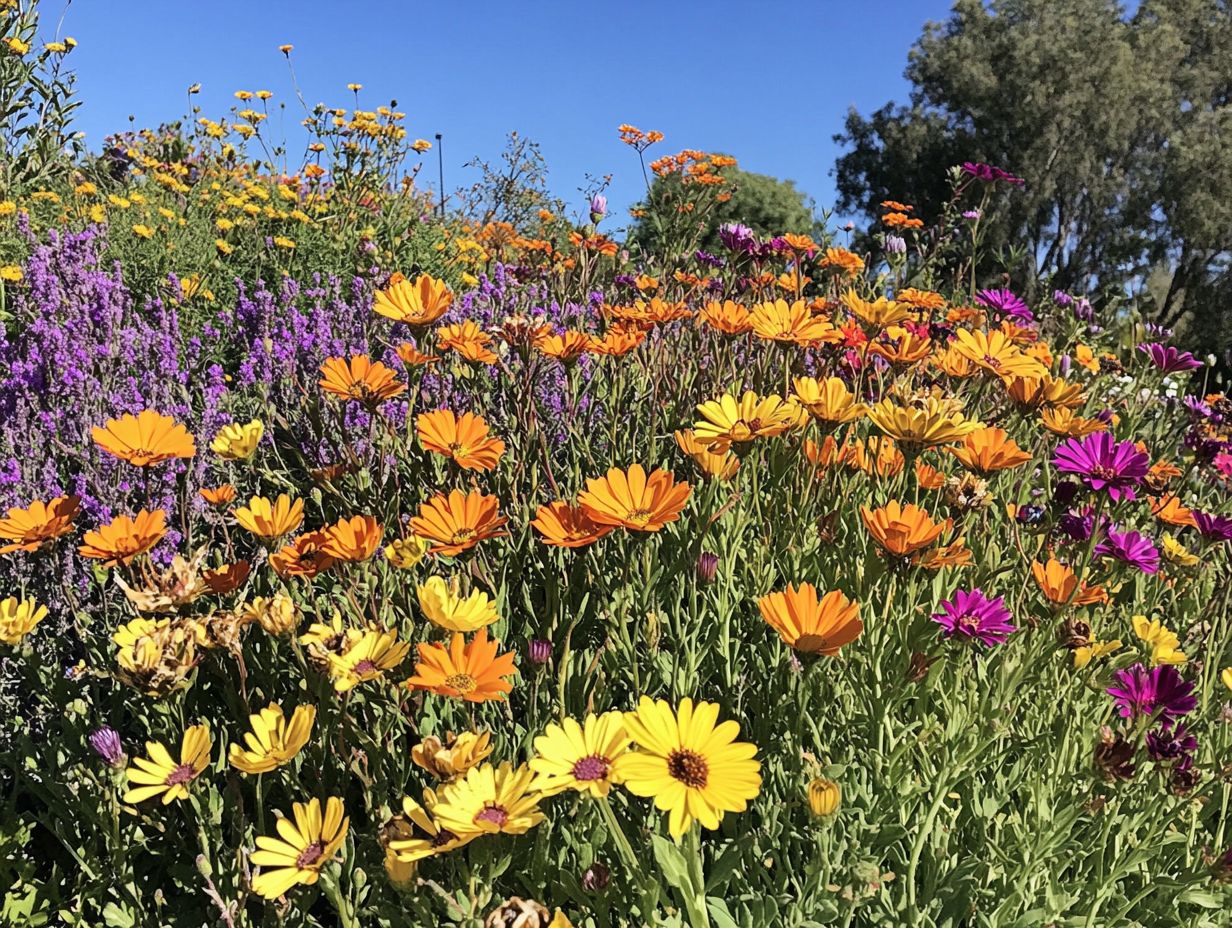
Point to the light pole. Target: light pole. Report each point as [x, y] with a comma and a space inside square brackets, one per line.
[440, 166]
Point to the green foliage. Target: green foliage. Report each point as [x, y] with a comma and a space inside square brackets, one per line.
[36, 102]
[1120, 124]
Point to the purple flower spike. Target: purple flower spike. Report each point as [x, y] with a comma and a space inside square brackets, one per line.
[972, 615]
[1160, 690]
[1169, 359]
[107, 745]
[1103, 463]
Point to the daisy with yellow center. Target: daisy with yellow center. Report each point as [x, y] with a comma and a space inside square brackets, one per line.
[915, 428]
[580, 756]
[693, 768]
[305, 844]
[273, 741]
[162, 775]
[443, 605]
[490, 800]
[633, 499]
[812, 625]
[474, 671]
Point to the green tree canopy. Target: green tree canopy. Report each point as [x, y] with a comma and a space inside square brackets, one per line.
[1120, 123]
[765, 204]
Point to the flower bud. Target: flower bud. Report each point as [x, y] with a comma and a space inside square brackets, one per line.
[597, 877]
[539, 650]
[823, 797]
[107, 745]
[598, 207]
[707, 566]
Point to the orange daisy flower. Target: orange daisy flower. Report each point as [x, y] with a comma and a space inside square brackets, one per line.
[877, 456]
[463, 440]
[846, 261]
[990, 449]
[1169, 509]
[360, 379]
[928, 477]
[353, 539]
[633, 500]
[996, 354]
[810, 625]
[901, 346]
[920, 299]
[566, 347]
[618, 340]
[1062, 421]
[1058, 583]
[28, 529]
[416, 304]
[124, 537]
[565, 526]
[411, 356]
[226, 579]
[727, 318]
[901, 530]
[1044, 392]
[474, 671]
[144, 439]
[271, 520]
[219, 495]
[457, 523]
[879, 313]
[304, 556]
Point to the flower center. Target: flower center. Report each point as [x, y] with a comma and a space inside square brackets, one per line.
[180, 775]
[968, 624]
[443, 837]
[309, 856]
[638, 516]
[591, 768]
[1104, 472]
[365, 666]
[493, 813]
[689, 767]
[463, 535]
[462, 682]
[992, 362]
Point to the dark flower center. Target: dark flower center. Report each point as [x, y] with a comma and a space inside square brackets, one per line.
[443, 837]
[689, 767]
[181, 775]
[309, 855]
[365, 666]
[590, 768]
[493, 813]
[967, 623]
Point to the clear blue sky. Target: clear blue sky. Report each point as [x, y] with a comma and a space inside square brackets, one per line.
[764, 80]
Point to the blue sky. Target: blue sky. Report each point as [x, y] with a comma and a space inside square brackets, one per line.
[764, 80]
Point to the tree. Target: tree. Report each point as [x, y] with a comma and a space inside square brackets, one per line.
[765, 204]
[1120, 124]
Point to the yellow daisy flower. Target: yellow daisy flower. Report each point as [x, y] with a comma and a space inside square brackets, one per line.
[303, 847]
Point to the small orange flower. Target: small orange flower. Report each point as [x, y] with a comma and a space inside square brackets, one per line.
[928, 477]
[360, 379]
[271, 520]
[123, 538]
[457, 523]
[468, 340]
[953, 555]
[843, 260]
[1169, 509]
[648, 313]
[989, 449]
[1046, 392]
[810, 625]
[1062, 421]
[416, 304]
[144, 439]
[565, 526]
[825, 454]
[411, 356]
[920, 299]
[618, 340]
[877, 456]
[633, 500]
[1058, 583]
[353, 539]
[993, 352]
[473, 671]
[226, 579]
[30, 528]
[463, 440]
[901, 346]
[879, 313]
[901, 530]
[218, 496]
[304, 557]
[566, 347]
[829, 401]
[727, 318]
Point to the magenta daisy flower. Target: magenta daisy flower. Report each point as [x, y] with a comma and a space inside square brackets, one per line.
[1006, 302]
[1169, 359]
[1130, 548]
[1212, 526]
[1103, 463]
[972, 615]
[1160, 690]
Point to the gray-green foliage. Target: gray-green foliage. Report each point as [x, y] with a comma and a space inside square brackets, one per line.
[1120, 123]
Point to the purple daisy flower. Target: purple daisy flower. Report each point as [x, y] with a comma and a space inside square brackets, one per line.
[1169, 359]
[1007, 302]
[1143, 692]
[1103, 463]
[973, 615]
[990, 173]
[1212, 526]
[737, 237]
[1130, 548]
[1168, 742]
